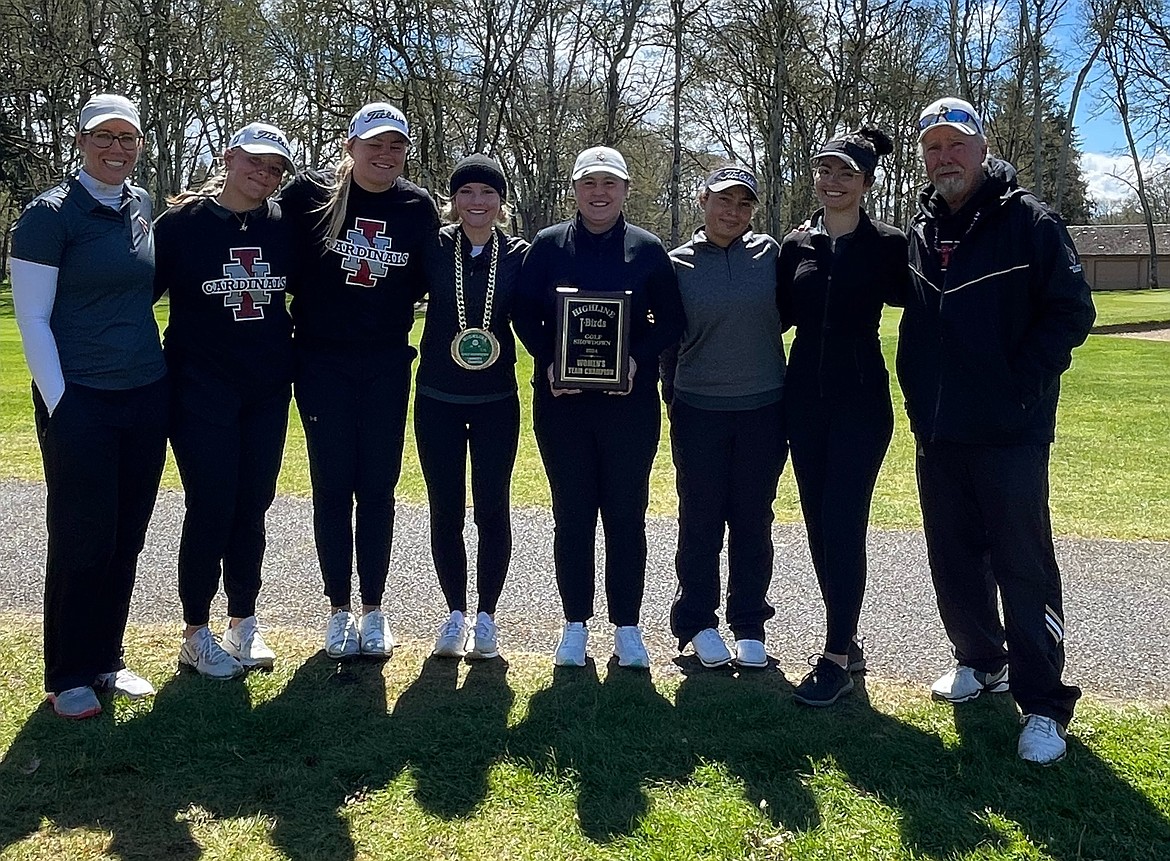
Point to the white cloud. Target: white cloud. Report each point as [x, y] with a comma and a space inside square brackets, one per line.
[1109, 177]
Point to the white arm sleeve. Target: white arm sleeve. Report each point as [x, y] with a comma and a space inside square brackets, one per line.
[34, 288]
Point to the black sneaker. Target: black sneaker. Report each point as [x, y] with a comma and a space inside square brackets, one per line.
[827, 683]
[856, 656]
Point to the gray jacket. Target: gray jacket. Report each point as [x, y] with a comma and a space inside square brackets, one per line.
[730, 356]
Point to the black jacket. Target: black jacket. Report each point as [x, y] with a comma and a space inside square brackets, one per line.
[834, 298]
[437, 371]
[981, 348]
[623, 258]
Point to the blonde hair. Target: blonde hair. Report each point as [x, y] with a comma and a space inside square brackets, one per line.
[333, 209]
[210, 188]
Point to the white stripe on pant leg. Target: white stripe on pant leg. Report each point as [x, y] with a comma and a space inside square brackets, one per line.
[1054, 624]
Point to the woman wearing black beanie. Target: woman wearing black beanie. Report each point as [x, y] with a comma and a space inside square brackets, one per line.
[466, 399]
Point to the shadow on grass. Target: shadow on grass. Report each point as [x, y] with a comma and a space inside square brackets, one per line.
[607, 738]
[452, 734]
[948, 799]
[300, 761]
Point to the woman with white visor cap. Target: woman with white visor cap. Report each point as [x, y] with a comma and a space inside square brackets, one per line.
[224, 256]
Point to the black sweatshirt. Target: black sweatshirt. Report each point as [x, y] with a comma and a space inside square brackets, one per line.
[227, 287]
[625, 257]
[438, 374]
[358, 290]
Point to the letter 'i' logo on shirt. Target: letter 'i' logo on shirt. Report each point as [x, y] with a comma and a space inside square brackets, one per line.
[367, 251]
[246, 285]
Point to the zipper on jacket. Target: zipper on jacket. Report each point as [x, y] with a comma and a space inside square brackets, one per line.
[938, 387]
[825, 322]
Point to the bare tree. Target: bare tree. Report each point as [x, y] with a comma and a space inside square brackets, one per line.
[1117, 55]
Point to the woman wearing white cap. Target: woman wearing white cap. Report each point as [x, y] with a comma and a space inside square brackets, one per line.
[835, 275]
[224, 255]
[82, 287]
[466, 401]
[598, 446]
[361, 231]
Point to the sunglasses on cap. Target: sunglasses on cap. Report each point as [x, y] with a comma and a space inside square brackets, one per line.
[954, 115]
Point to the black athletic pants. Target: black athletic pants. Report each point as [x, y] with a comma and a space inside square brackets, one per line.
[103, 452]
[838, 444]
[597, 451]
[727, 465]
[445, 433]
[228, 445]
[985, 513]
[352, 402]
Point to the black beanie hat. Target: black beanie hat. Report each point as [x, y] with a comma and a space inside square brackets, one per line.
[479, 168]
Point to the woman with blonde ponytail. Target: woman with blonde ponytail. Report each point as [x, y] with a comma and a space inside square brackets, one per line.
[224, 254]
[361, 232]
[835, 274]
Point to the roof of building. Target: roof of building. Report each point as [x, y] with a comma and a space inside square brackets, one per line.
[1119, 239]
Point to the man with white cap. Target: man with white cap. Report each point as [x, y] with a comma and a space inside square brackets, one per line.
[598, 446]
[998, 304]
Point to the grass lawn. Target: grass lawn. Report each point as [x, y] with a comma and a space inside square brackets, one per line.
[1109, 464]
[433, 759]
[1132, 306]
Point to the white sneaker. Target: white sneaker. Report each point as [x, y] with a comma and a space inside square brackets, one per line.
[751, 654]
[629, 648]
[963, 683]
[76, 703]
[710, 648]
[124, 683]
[245, 643]
[1042, 740]
[452, 642]
[376, 639]
[201, 653]
[571, 650]
[342, 639]
[484, 639]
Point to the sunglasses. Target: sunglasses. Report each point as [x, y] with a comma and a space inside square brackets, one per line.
[954, 115]
[105, 140]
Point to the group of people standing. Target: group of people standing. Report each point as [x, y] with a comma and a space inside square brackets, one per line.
[994, 303]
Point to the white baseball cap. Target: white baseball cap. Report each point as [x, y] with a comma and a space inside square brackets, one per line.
[263, 139]
[107, 106]
[600, 159]
[376, 118]
[953, 112]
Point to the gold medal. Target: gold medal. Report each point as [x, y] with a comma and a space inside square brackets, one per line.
[475, 348]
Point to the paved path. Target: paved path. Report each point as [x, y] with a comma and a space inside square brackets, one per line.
[1117, 593]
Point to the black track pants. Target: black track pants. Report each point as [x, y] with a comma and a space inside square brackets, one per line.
[228, 446]
[727, 465]
[985, 513]
[597, 451]
[352, 402]
[103, 453]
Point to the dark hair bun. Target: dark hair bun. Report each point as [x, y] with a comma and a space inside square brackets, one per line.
[882, 144]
